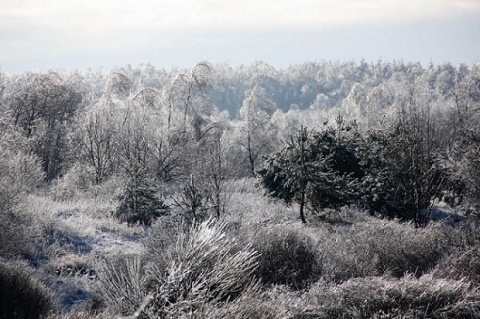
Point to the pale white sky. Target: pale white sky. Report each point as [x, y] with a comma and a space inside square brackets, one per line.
[40, 34]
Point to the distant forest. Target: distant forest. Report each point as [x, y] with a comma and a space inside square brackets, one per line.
[162, 121]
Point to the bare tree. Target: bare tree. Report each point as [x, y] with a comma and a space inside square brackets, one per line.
[257, 132]
[94, 137]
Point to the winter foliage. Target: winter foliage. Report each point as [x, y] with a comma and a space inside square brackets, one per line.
[321, 190]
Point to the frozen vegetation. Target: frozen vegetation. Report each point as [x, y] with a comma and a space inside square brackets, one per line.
[324, 190]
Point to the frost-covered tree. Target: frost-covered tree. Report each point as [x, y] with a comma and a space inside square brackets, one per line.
[466, 100]
[20, 174]
[257, 132]
[41, 107]
[403, 168]
[465, 166]
[215, 173]
[186, 95]
[118, 85]
[94, 138]
[316, 169]
[141, 200]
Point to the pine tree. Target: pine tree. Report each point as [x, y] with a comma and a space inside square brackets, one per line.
[315, 169]
[140, 202]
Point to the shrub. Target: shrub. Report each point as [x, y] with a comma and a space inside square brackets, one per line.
[74, 182]
[403, 171]
[462, 257]
[460, 265]
[248, 305]
[465, 234]
[14, 236]
[286, 258]
[203, 272]
[194, 201]
[140, 202]
[19, 175]
[385, 297]
[467, 167]
[21, 295]
[206, 270]
[378, 247]
[162, 236]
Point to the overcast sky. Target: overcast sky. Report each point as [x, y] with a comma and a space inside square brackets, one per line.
[41, 34]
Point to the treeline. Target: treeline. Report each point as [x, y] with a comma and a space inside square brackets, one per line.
[213, 123]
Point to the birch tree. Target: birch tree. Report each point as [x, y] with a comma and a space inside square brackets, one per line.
[257, 131]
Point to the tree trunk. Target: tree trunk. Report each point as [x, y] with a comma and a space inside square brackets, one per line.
[302, 206]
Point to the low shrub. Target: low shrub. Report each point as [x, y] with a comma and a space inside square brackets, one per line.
[378, 247]
[465, 234]
[460, 265]
[77, 180]
[203, 274]
[287, 257]
[246, 201]
[140, 203]
[14, 236]
[20, 174]
[21, 295]
[206, 272]
[387, 297]
[248, 305]
[162, 237]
